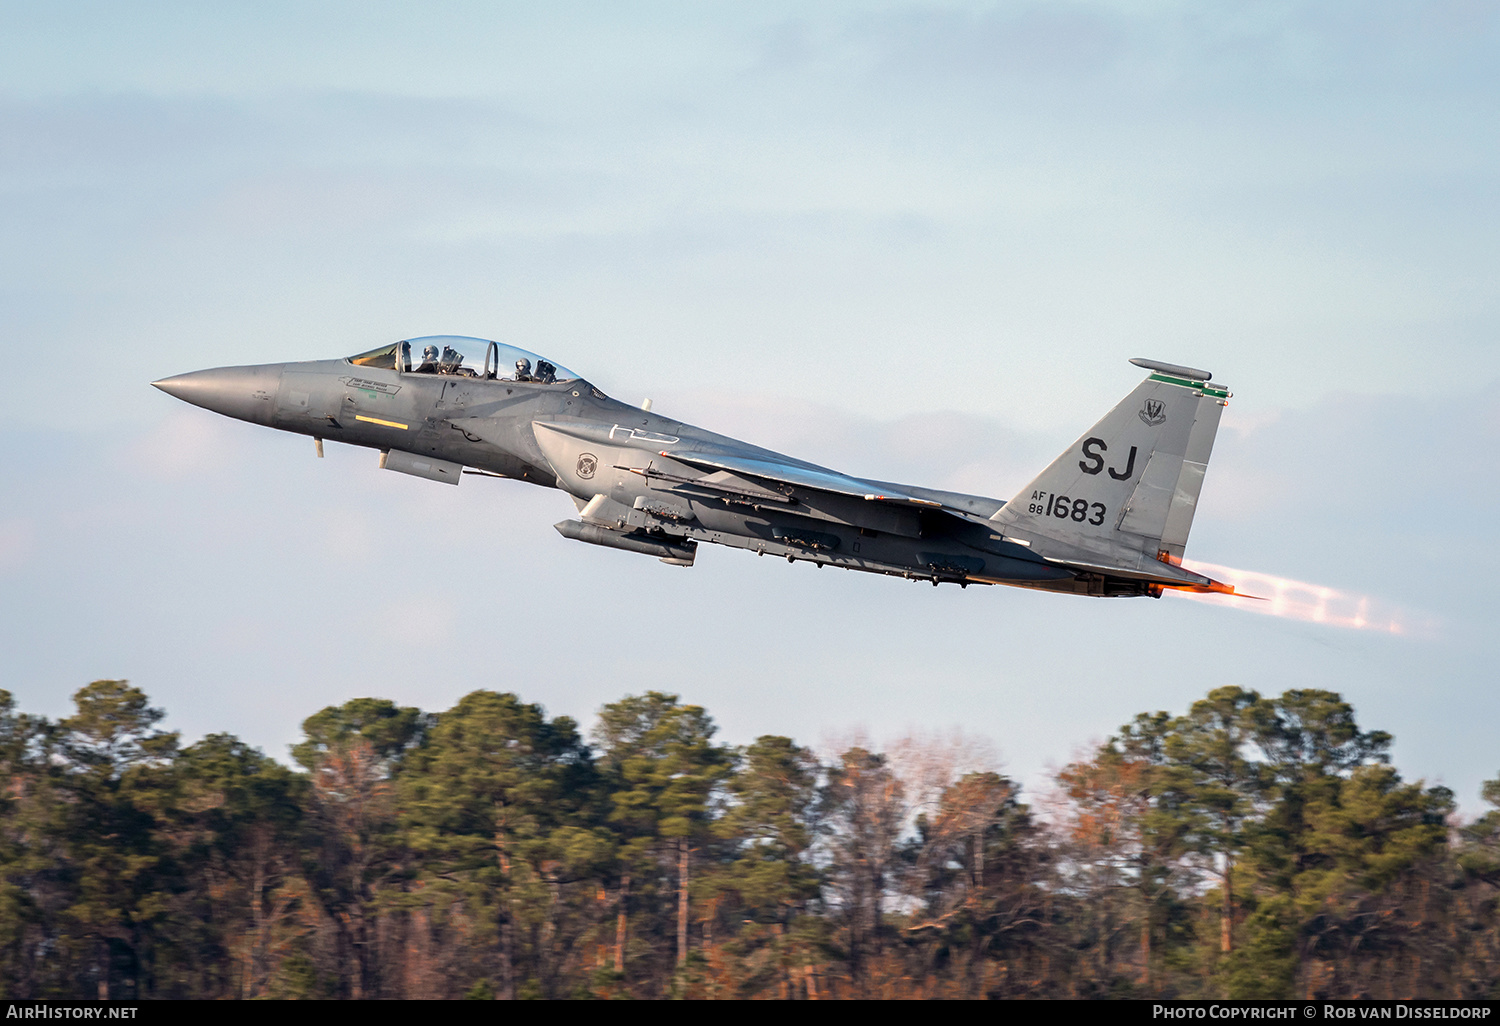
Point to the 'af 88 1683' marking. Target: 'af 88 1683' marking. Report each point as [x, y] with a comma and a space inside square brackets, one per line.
[1047, 504]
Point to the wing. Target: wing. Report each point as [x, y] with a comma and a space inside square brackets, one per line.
[756, 479]
[800, 477]
[801, 489]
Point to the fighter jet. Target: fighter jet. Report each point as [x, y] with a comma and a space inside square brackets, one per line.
[1109, 517]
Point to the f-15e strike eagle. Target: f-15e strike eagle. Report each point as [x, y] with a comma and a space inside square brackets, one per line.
[1109, 517]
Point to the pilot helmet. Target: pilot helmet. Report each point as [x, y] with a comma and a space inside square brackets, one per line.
[430, 353]
[523, 366]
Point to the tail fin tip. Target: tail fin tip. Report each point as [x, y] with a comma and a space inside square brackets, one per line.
[1191, 373]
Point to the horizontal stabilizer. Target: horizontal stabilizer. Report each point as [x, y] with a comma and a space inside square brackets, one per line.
[1168, 575]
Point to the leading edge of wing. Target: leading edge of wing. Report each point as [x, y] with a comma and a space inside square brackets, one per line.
[803, 477]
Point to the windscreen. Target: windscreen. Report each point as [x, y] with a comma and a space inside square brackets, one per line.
[462, 356]
[385, 357]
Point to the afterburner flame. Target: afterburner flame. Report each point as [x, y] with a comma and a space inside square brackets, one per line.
[1310, 603]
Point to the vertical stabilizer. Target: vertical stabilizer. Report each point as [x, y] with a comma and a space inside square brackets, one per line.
[1125, 493]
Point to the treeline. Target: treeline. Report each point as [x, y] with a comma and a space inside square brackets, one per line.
[1250, 847]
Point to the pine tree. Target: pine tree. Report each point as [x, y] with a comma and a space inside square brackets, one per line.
[664, 773]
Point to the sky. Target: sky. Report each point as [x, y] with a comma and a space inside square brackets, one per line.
[912, 241]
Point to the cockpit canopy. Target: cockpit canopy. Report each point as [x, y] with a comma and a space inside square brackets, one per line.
[462, 356]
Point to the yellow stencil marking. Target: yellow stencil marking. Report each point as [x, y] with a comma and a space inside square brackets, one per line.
[382, 423]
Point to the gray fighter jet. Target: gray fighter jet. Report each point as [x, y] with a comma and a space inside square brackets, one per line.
[1109, 517]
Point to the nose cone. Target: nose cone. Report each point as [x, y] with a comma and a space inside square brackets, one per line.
[245, 393]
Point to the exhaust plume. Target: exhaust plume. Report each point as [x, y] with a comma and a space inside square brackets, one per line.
[1270, 595]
